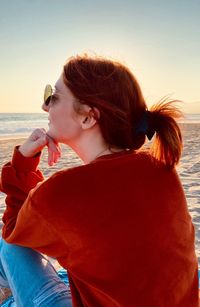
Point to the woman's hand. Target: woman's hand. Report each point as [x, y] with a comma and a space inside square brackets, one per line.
[36, 142]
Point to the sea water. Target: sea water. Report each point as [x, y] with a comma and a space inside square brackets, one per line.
[14, 125]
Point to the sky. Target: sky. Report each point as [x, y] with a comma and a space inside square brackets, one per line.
[158, 40]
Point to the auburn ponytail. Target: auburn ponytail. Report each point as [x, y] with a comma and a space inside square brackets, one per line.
[167, 144]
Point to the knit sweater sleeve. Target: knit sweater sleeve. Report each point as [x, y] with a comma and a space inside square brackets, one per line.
[23, 222]
[18, 177]
[33, 231]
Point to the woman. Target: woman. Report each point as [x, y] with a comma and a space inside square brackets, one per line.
[119, 223]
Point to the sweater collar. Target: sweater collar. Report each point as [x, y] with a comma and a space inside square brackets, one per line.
[113, 155]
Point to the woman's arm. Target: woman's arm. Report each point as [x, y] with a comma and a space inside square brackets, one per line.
[21, 174]
[23, 224]
[17, 179]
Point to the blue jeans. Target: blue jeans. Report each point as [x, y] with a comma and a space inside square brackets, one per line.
[31, 278]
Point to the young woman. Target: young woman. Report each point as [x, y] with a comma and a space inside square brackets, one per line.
[119, 223]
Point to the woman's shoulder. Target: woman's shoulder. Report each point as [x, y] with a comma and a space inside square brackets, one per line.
[127, 164]
[138, 159]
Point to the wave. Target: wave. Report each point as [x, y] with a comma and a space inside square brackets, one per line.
[190, 119]
[21, 124]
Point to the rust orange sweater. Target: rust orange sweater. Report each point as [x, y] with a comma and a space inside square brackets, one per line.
[119, 225]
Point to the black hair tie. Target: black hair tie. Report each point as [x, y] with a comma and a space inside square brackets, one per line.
[144, 126]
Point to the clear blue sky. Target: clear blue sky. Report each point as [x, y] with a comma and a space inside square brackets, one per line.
[159, 40]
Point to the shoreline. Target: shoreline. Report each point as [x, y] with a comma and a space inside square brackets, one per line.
[12, 138]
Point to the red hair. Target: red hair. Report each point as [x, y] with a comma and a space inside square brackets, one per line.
[112, 88]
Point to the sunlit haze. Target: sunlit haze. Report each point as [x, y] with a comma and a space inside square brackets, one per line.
[158, 40]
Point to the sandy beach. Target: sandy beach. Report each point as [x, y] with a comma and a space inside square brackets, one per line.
[188, 169]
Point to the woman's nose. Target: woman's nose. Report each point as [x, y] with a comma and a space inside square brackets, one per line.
[45, 107]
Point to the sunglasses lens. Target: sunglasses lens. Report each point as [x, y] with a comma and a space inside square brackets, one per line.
[47, 94]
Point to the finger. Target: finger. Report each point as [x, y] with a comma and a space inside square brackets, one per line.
[59, 149]
[43, 130]
[37, 133]
[41, 141]
[55, 157]
[50, 157]
[53, 146]
[54, 151]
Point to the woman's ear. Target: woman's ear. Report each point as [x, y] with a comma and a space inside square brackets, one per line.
[90, 117]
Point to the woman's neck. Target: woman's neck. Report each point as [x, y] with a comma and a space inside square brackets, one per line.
[91, 147]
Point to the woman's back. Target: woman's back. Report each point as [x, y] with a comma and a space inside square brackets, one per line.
[123, 232]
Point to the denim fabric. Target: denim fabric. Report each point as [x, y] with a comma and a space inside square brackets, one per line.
[31, 278]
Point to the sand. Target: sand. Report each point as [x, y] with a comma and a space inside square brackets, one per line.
[188, 169]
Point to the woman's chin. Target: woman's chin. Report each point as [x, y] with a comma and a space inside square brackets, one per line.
[57, 138]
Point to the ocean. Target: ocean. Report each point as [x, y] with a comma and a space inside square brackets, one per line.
[14, 125]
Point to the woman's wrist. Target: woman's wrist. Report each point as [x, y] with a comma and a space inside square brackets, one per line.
[25, 154]
[24, 164]
[23, 150]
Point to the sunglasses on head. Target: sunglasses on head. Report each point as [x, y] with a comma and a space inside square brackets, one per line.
[48, 91]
